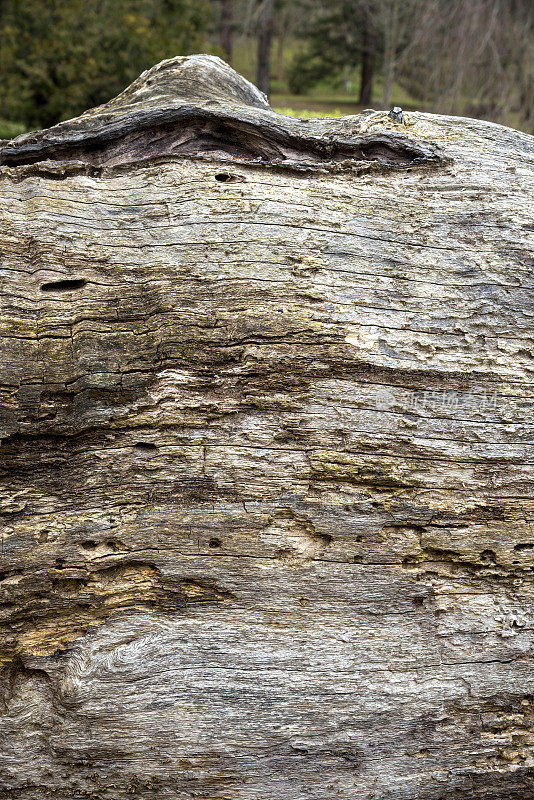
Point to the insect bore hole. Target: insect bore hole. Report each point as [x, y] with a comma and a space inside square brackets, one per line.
[146, 447]
[224, 177]
[64, 286]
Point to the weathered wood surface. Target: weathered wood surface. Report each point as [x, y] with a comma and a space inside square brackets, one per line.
[266, 409]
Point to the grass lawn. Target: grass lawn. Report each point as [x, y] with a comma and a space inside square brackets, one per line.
[8, 130]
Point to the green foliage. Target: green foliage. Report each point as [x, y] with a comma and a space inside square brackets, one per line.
[333, 45]
[60, 57]
[306, 71]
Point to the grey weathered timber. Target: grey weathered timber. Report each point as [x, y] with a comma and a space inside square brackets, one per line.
[267, 452]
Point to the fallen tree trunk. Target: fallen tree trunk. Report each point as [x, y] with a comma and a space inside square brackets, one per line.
[266, 452]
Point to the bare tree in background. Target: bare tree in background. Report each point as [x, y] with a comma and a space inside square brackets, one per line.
[473, 57]
[290, 18]
[523, 60]
[390, 12]
[397, 21]
[265, 37]
[226, 29]
[368, 56]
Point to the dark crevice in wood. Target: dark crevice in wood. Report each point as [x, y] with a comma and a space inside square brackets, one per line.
[65, 285]
[189, 132]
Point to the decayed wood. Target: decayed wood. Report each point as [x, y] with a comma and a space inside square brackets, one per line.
[266, 452]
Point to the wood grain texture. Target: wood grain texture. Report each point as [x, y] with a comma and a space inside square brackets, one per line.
[267, 454]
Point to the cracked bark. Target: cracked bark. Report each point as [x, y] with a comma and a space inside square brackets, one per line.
[266, 452]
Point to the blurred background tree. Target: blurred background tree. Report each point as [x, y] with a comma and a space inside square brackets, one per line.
[314, 57]
[339, 37]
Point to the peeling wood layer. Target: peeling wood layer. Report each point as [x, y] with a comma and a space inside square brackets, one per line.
[266, 452]
[203, 133]
[132, 128]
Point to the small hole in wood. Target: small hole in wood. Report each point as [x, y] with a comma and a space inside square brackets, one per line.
[146, 447]
[224, 177]
[215, 542]
[524, 546]
[92, 548]
[68, 585]
[64, 286]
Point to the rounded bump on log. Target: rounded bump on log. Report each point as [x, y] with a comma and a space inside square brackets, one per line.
[198, 78]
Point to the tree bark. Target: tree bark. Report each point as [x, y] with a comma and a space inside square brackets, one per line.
[266, 409]
[226, 29]
[265, 37]
[391, 43]
[280, 47]
[367, 66]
